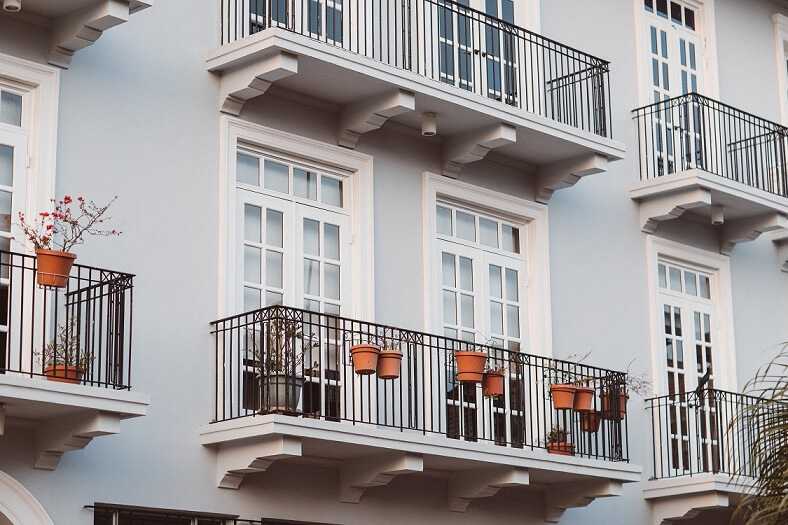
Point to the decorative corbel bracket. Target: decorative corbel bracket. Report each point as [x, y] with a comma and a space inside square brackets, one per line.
[565, 174]
[356, 476]
[671, 206]
[570, 496]
[233, 463]
[252, 80]
[371, 114]
[65, 434]
[749, 229]
[467, 486]
[474, 145]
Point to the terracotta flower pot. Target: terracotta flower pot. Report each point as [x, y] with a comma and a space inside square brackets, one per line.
[584, 396]
[590, 421]
[470, 365]
[389, 363]
[53, 267]
[365, 358]
[609, 408]
[563, 396]
[64, 374]
[562, 449]
[492, 383]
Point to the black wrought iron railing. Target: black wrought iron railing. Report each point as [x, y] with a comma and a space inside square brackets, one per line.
[296, 362]
[87, 323]
[694, 434]
[693, 131]
[445, 41]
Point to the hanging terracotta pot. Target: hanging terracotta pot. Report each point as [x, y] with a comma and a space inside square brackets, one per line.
[584, 396]
[563, 396]
[470, 365]
[53, 268]
[389, 364]
[492, 383]
[64, 374]
[614, 408]
[562, 448]
[365, 358]
[590, 421]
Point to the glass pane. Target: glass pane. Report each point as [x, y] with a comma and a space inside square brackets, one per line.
[331, 191]
[512, 293]
[251, 299]
[331, 276]
[512, 321]
[443, 216]
[247, 169]
[496, 318]
[331, 241]
[466, 311]
[449, 307]
[10, 108]
[466, 274]
[510, 239]
[6, 165]
[273, 298]
[311, 237]
[274, 225]
[675, 279]
[252, 264]
[447, 269]
[704, 287]
[690, 286]
[311, 277]
[488, 232]
[304, 184]
[466, 226]
[273, 269]
[276, 176]
[496, 282]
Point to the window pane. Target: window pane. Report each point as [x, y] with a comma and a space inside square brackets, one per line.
[252, 264]
[311, 277]
[304, 184]
[247, 169]
[276, 176]
[10, 109]
[444, 220]
[331, 276]
[447, 270]
[273, 228]
[512, 321]
[704, 287]
[331, 241]
[496, 318]
[663, 279]
[690, 286]
[510, 239]
[466, 274]
[466, 226]
[512, 292]
[675, 279]
[251, 299]
[466, 311]
[488, 232]
[6, 165]
[311, 237]
[331, 191]
[449, 307]
[496, 282]
[273, 269]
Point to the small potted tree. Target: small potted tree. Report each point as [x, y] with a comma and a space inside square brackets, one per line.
[55, 233]
[556, 442]
[62, 359]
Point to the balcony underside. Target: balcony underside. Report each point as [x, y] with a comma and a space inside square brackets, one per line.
[64, 417]
[369, 93]
[710, 497]
[368, 456]
[690, 195]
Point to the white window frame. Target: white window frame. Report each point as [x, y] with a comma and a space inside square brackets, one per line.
[781, 52]
[530, 217]
[359, 203]
[705, 28]
[718, 267]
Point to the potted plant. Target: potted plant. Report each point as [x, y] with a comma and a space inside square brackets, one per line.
[470, 364]
[556, 442]
[62, 359]
[55, 233]
[590, 421]
[493, 381]
[389, 359]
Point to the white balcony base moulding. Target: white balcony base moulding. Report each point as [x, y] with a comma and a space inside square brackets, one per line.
[369, 456]
[748, 212]
[65, 417]
[676, 499]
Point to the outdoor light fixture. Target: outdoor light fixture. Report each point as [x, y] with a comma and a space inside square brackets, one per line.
[429, 124]
[716, 214]
[12, 5]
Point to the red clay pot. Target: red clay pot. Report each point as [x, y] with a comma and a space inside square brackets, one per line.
[561, 449]
[563, 396]
[492, 383]
[389, 363]
[584, 396]
[470, 365]
[53, 267]
[64, 374]
[609, 410]
[590, 421]
[365, 358]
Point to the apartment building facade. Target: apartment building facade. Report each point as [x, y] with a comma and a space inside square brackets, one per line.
[585, 192]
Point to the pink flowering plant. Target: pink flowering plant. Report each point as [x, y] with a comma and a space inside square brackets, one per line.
[64, 227]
